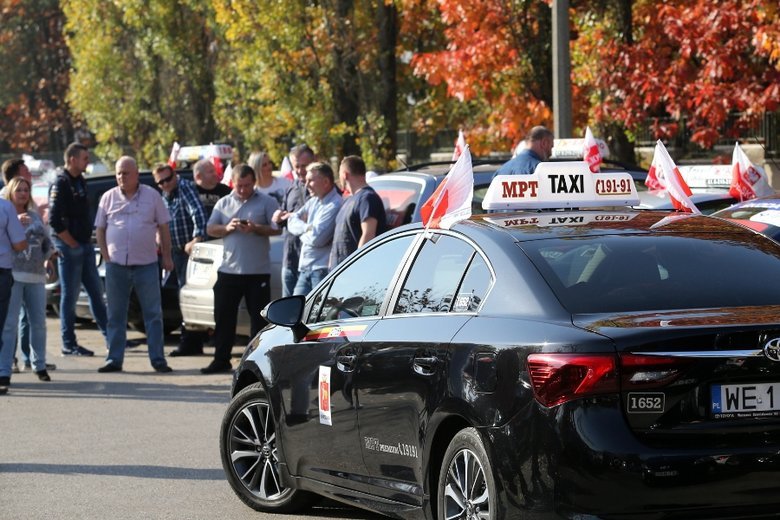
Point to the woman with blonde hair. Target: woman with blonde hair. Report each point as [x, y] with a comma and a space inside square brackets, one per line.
[29, 286]
[265, 181]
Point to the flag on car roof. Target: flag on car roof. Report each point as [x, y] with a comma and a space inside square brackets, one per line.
[747, 180]
[591, 152]
[652, 181]
[287, 169]
[460, 145]
[668, 174]
[174, 155]
[451, 202]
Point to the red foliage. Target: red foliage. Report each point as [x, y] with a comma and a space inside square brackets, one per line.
[702, 60]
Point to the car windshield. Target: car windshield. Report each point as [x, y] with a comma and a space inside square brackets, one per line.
[650, 272]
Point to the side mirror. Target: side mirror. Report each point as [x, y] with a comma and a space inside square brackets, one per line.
[287, 312]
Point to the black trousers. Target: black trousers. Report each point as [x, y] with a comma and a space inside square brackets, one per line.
[228, 291]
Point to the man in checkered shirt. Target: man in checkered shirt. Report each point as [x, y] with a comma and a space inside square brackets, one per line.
[188, 227]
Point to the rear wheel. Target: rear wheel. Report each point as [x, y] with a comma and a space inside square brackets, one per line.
[249, 449]
[466, 487]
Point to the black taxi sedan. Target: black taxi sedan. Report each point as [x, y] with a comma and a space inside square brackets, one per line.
[576, 363]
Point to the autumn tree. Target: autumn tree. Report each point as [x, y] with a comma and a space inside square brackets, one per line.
[702, 62]
[143, 74]
[321, 73]
[34, 83]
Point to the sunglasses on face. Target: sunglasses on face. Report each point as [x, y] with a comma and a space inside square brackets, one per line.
[165, 181]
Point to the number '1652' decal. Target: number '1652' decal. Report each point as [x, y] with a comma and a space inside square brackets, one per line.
[646, 402]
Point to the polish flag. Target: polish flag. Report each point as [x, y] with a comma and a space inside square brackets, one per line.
[460, 145]
[174, 155]
[451, 202]
[652, 181]
[668, 174]
[227, 177]
[748, 181]
[591, 152]
[287, 169]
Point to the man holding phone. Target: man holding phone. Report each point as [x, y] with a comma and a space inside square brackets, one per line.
[244, 220]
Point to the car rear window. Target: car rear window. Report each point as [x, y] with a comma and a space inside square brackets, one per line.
[399, 198]
[652, 272]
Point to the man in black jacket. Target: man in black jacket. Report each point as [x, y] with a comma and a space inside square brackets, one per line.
[70, 218]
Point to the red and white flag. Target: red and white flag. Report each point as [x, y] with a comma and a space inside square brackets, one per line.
[174, 155]
[652, 181]
[451, 202]
[460, 145]
[287, 169]
[747, 180]
[668, 175]
[591, 152]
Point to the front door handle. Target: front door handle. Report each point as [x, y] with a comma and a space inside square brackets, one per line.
[425, 365]
[345, 362]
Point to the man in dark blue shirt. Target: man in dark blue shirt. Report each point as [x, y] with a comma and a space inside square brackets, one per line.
[538, 148]
[362, 215]
[70, 218]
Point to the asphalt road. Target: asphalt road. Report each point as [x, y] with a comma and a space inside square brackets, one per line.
[130, 445]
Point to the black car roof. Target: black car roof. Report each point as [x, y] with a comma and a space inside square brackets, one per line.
[541, 225]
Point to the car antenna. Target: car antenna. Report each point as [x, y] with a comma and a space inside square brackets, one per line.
[398, 158]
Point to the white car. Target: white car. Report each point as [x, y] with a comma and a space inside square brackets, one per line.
[196, 298]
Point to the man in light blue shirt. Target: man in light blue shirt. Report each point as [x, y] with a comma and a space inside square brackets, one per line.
[315, 223]
[538, 148]
[12, 239]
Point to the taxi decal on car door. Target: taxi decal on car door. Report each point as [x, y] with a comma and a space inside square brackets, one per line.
[347, 331]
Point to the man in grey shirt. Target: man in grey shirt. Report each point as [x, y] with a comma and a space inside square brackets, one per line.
[244, 220]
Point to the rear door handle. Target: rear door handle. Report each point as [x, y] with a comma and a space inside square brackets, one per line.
[425, 365]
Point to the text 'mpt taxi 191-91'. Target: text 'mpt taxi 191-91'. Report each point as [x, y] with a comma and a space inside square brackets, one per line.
[546, 362]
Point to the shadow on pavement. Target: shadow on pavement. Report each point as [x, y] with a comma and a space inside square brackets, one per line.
[123, 390]
[164, 472]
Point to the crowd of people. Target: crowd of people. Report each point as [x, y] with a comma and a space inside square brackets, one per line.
[140, 230]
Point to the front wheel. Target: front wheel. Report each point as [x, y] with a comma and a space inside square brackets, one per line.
[249, 448]
[467, 489]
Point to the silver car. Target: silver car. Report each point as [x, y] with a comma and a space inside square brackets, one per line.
[196, 298]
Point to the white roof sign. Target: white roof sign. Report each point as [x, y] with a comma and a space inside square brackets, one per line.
[205, 151]
[706, 175]
[560, 185]
[573, 148]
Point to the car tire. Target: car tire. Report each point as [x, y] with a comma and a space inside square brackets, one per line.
[249, 447]
[466, 487]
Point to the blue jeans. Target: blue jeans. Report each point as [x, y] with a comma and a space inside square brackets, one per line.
[308, 279]
[33, 296]
[6, 285]
[289, 279]
[24, 334]
[120, 281]
[76, 266]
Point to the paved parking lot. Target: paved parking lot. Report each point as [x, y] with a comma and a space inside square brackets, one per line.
[136, 444]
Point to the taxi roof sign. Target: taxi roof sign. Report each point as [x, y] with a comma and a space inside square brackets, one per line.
[572, 148]
[560, 185]
[205, 151]
[707, 175]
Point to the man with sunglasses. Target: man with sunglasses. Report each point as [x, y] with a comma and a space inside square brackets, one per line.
[188, 227]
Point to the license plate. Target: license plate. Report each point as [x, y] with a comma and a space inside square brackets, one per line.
[746, 401]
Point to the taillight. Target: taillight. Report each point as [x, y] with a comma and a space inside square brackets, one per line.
[642, 371]
[557, 378]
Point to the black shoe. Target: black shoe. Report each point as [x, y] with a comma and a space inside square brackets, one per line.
[43, 375]
[3, 389]
[78, 350]
[216, 368]
[109, 367]
[163, 369]
[5, 381]
[49, 366]
[179, 352]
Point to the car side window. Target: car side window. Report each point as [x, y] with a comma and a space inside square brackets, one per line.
[359, 290]
[435, 276]
[474, 287]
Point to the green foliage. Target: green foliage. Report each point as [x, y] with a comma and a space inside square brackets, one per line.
[142, 74]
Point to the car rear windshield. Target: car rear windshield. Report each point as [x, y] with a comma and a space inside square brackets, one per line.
[651, 272]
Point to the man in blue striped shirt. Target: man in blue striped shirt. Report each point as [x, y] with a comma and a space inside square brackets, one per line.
[188, 227]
